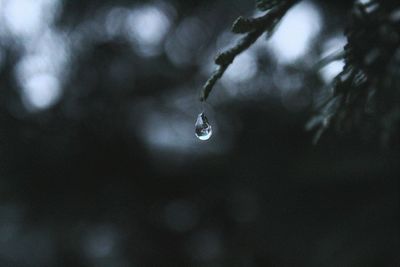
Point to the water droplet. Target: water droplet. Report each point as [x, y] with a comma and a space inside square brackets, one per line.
[203, 128]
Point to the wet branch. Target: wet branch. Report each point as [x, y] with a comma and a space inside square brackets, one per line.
[253, 28]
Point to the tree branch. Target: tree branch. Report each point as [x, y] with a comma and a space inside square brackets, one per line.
[253, 28]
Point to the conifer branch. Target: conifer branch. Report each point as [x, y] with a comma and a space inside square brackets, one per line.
[253, 28]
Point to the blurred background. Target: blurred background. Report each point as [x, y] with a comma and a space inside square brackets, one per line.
[99, 164]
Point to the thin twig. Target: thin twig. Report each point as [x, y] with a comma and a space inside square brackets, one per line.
[254, 28]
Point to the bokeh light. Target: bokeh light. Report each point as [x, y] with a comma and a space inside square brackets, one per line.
[147, 26]
[296, 31]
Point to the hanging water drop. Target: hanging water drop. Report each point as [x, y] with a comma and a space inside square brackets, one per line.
[203, 128]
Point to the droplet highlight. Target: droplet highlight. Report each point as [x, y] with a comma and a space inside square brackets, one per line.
[203, 129]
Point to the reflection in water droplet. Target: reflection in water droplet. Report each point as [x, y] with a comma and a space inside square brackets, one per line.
[203, 128]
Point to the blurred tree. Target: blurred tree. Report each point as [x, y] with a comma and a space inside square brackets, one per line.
[366, 94]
